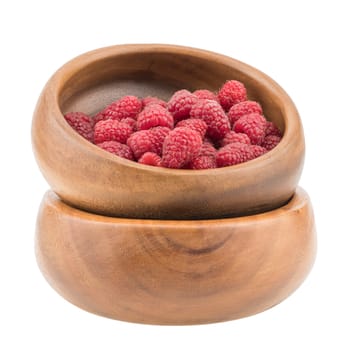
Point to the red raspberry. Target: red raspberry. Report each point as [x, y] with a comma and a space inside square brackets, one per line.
[233, 136]
[272, 129]
[98, 117]
[243, 108]
[258, 150]
[130, 121]
[112, 130]
[158, 135]
[271, 141]
[253, 125]
[228, 155]
[126, 107]
[180, 146]
[246, 151]
[233, 153]
[202, 162]
[214, 116]
[206, 158]
[150, 100]
[207, 149]
[180, 104]
[195, 124]
[117, 148]
[150, 158]
[206, 95]
[232, 92]
[150, 140]
[140, 142]
[154, 115]
[81, 123]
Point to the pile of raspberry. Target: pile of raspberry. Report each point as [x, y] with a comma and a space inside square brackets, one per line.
[193, 130]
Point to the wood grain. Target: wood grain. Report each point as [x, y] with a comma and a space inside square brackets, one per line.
[91, 179]
[175, 272]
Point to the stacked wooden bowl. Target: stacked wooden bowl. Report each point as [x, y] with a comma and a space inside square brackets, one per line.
[163, 246]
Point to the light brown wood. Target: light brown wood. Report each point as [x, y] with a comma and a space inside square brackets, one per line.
[175, 272]
[91, 179]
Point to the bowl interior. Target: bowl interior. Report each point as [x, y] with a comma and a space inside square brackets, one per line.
[159, 71]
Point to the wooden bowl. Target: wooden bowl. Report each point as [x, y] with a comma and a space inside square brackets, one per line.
[91, 179]
[175, 272]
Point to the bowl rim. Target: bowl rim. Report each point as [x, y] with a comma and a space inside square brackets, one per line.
[299, 200]
[57, 82]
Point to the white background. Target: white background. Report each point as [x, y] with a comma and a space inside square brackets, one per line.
[303, 45]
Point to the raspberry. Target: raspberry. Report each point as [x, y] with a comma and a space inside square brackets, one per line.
[243, 108]
[233, 153]
[228, 156]
[140, 142]
[195, 124]
[150, 158]
[253, 125]
[98, 117]
[150, 140]
[125, 107]
[203, 162]
[201, 127]
[111, 130]
[214, 116]
[271, 141]
[117, 148]
[130, 121]
[81, 123]
[158, 135]
[151, 100]
[233, 136]
[206, 95]
[258, 150]
[207, 149]
[154, 115]
[246, 151]
[206, 158]
[180, 104]
[180, 146]
[272, 129]
[232, 92]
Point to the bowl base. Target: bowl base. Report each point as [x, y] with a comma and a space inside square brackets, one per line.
[175, 272]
